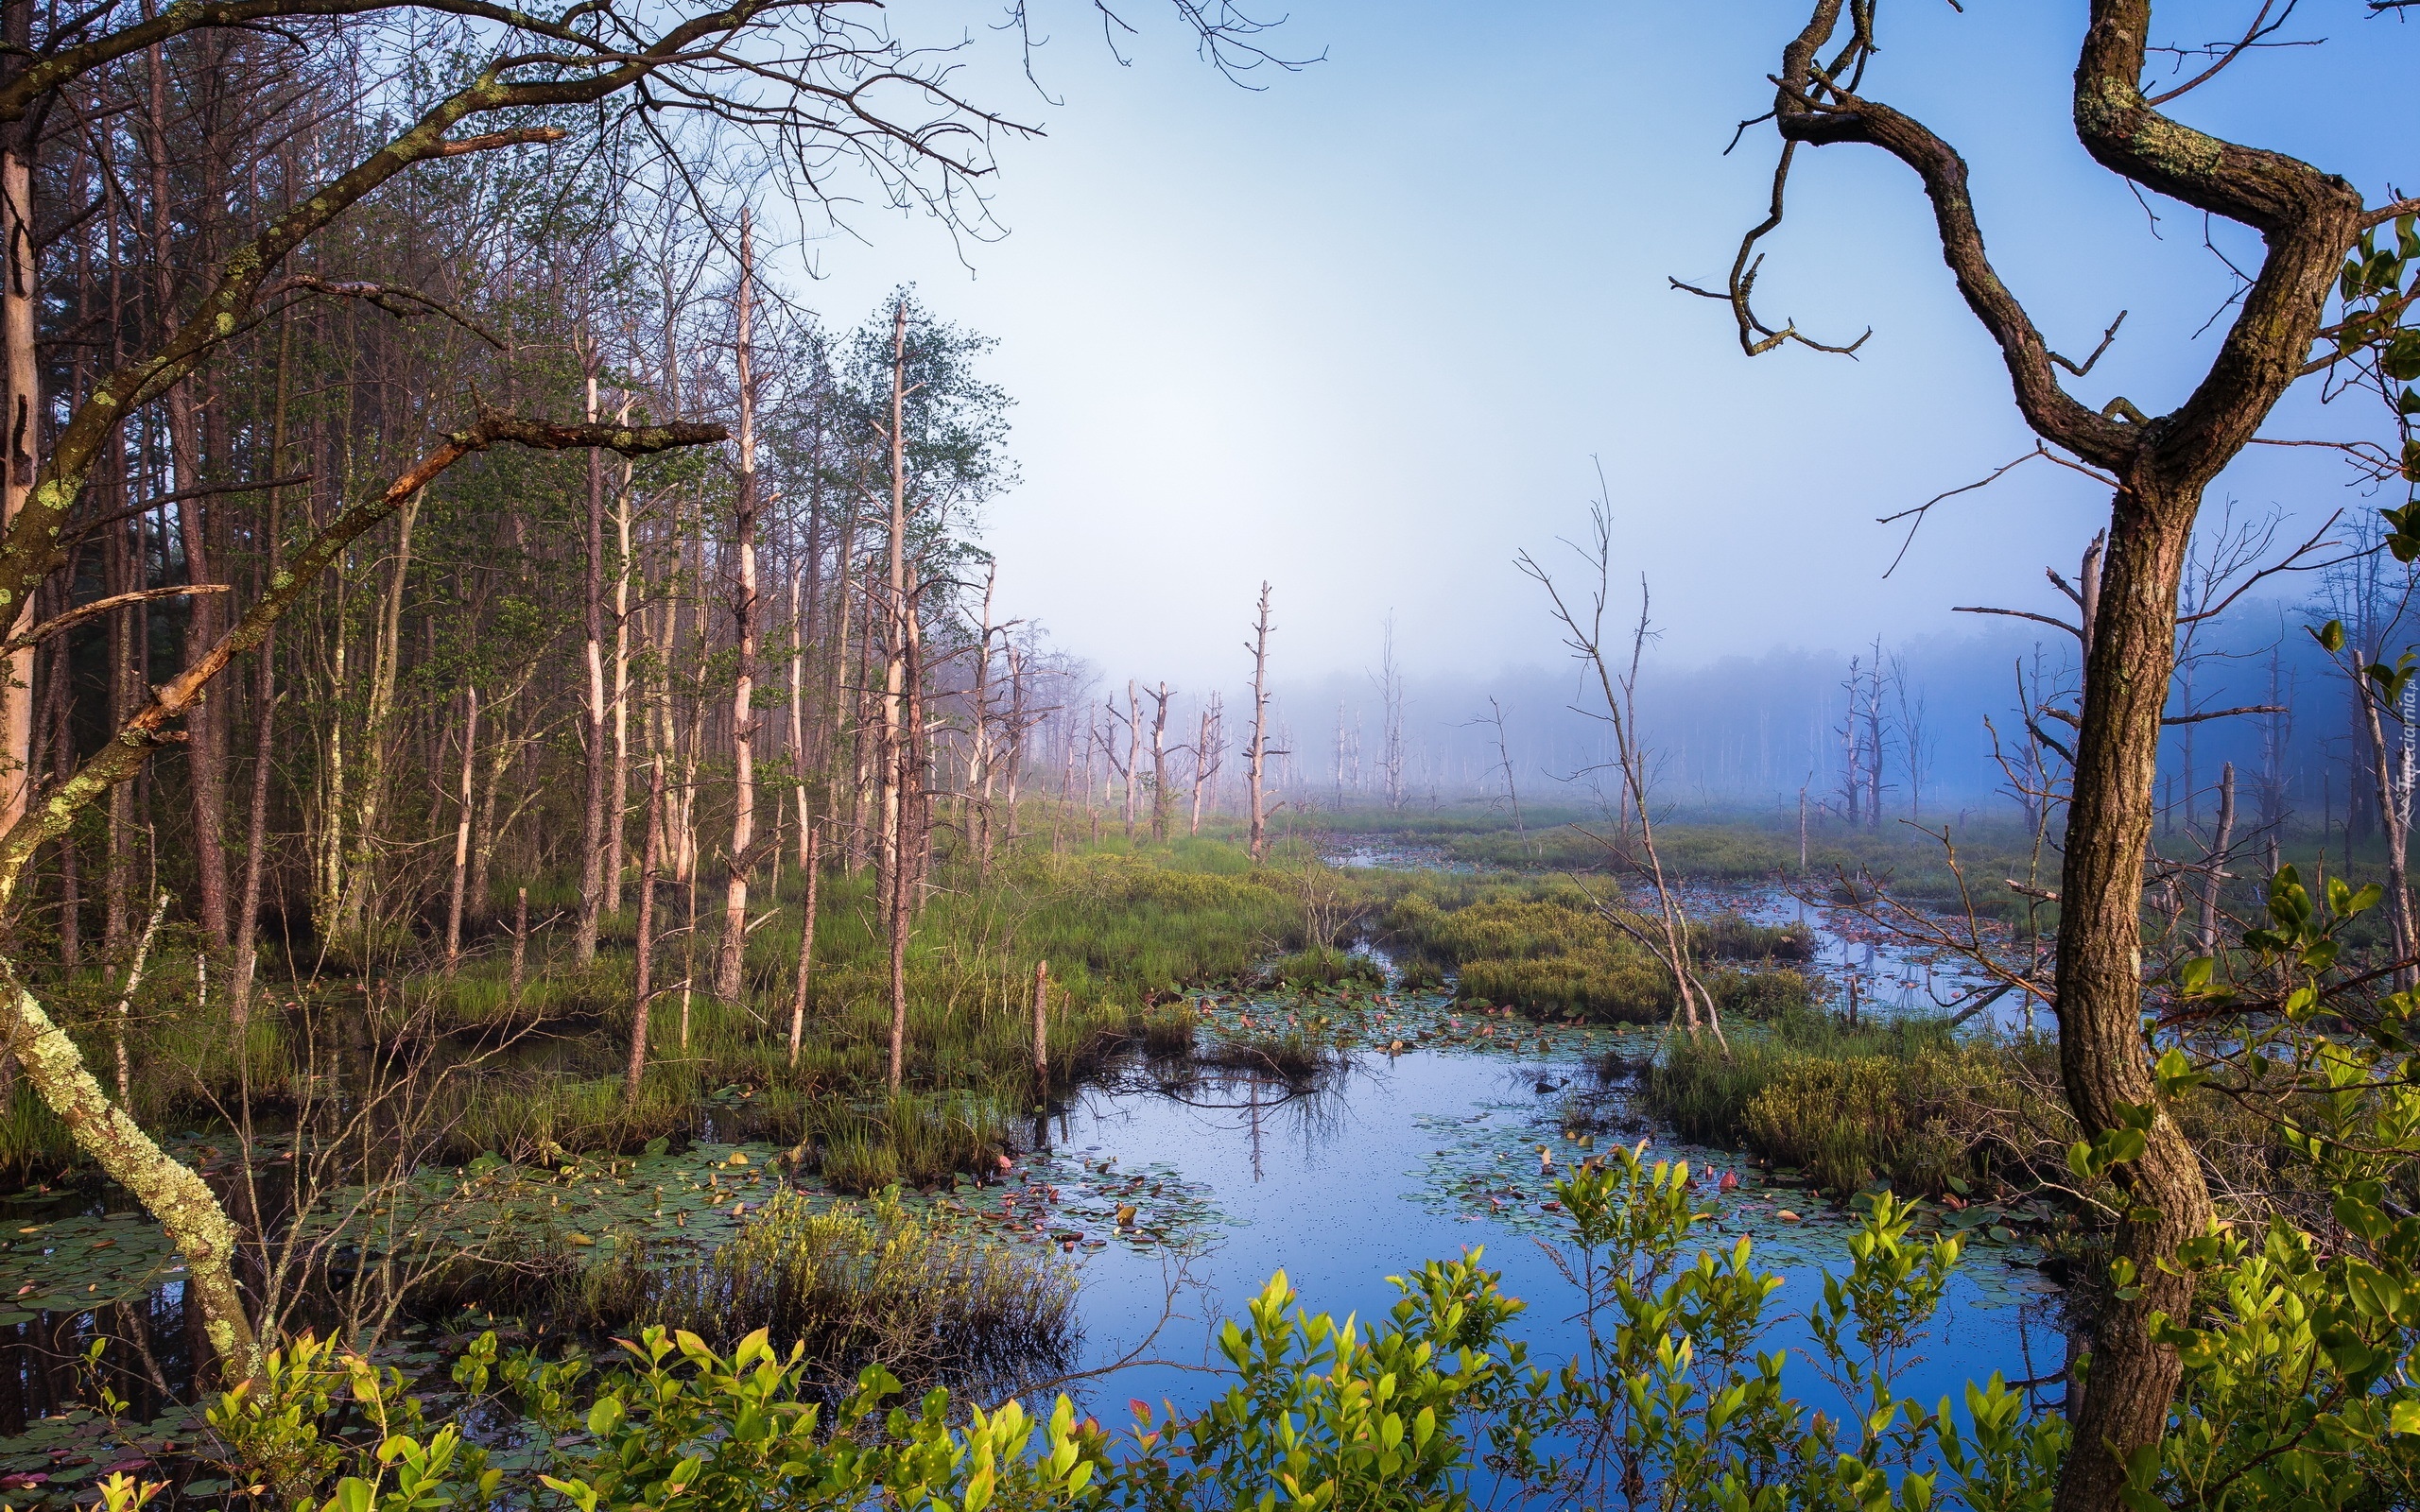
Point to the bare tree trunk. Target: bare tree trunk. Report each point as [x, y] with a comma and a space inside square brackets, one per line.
[1259, 753]
[798, 723]
[730, 970]
[1015, 741]
[2099, 985]
[71, 903]
[462, 829]
[979, 756]
[1134, 753]
[916, 784]
[520, 940]
[1163, 801]
[248, 909]
[20, 367]
[644, 975]
[616, 841]
[599, 760]
[2214, 872]
[813, 867]
[1042, 1034]
[895, 743]
[2395, 817]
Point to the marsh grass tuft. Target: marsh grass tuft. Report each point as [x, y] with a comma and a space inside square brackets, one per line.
[1294, 1056]
[861, 1283]
[1904, 1101]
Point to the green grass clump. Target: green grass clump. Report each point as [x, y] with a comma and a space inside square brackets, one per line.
[1293, 1057]
[858, 1284]
[1606, 984]
[1167, 1032]
[1318, 967]
[32, 1138]
[1729, 937]
[1904, 1102]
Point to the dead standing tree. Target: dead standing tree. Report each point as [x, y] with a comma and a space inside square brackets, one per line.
[1163, 796]
[2157, 468]
[1256, 754]
[1666, 937]
[1209, 747]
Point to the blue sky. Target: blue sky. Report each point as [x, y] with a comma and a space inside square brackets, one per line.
[1361, 331]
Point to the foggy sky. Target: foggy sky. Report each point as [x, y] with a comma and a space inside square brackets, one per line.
[1361, 329]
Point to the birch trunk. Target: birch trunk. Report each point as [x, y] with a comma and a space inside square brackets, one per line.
[894, 744]
[617, 840]
[592, 812]
[730, 971]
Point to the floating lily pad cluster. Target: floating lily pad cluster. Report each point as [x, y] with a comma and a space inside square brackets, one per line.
[1364, 1021]
[696, 1196]
[79, 1262]
[1088, 1201]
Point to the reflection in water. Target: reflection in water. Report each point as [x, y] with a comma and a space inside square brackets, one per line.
[1342, 1186]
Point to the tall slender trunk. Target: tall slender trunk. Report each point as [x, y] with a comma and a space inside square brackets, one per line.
[2391, 784]
[812, 866]
[916, 780]
[651, 844]
[248, 908]
[2214, 871]
[1257, 763]
[1163, 798]
[62, 762]
[599, 761]
[730, 970]
[207, 797]
[462, 829]
[617, 840]
[21, 371]
[1134, 753]
[978, 797]
[373, 771]
[895, 743]
[799, 761]
[1013, 758]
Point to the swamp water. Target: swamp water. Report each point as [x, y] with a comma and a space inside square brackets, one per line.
[1420, 1154]
[1171, 1188]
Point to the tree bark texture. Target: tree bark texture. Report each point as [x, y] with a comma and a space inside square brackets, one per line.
[2308, 220]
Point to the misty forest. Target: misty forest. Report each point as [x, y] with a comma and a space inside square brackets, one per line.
[677, 831]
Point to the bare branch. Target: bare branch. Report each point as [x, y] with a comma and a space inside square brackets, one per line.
[99, 607]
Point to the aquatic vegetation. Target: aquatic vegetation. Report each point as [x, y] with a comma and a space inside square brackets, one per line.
[1904, 1102]
[858, 1284]
[1544, 946]
[913, 1138]
[1325, 967]
[1167, 1032]
[1294, 1056]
